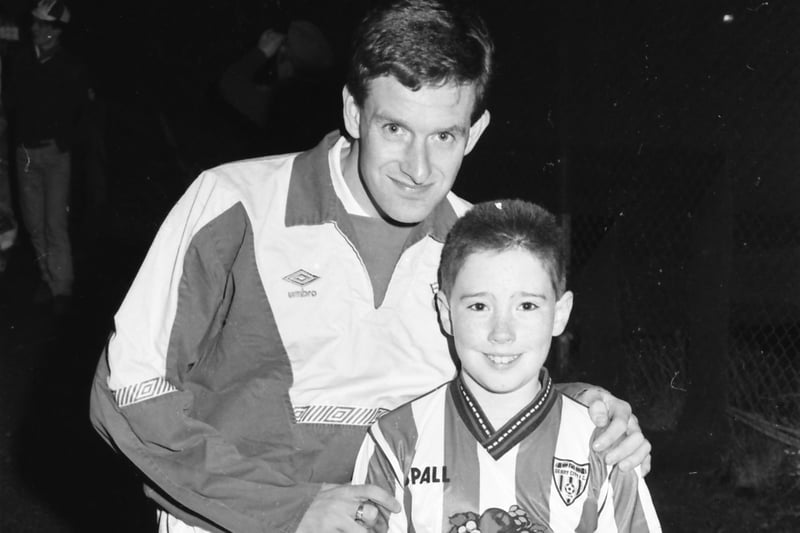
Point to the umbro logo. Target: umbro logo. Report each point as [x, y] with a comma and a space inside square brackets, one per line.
[301, 278]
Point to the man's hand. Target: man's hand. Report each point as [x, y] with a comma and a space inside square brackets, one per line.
[270, 41]
[334, 509]
[622, 438]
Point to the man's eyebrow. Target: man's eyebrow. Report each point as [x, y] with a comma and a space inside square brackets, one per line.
[456, 130]
[383, 117]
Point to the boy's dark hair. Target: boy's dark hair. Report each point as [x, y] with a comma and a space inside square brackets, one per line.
[504, 225]
[422, 43]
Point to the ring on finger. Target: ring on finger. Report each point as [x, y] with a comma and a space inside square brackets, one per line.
[359, 516]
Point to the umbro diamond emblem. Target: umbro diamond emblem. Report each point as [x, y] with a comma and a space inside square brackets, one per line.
[301, 278]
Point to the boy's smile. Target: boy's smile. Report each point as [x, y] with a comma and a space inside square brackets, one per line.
[503, 313]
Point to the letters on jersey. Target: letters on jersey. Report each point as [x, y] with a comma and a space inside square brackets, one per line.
[454, 472]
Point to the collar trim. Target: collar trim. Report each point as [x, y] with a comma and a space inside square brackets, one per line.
[497, 443]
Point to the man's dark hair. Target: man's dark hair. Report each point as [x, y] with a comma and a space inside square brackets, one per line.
[422, 43]
[502, 225]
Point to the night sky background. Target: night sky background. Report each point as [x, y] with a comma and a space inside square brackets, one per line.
[666, 134]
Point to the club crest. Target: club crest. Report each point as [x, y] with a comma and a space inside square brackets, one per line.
[570, 478]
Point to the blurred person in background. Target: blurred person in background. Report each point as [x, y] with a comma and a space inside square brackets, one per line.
[8, 223]
[46, 94]
[285, 86]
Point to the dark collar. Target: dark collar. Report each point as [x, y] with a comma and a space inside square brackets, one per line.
[498, 442]
[312, 198]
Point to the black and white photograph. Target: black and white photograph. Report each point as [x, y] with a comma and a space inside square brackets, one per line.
[399, 266]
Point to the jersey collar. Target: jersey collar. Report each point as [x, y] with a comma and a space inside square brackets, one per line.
[498, 442]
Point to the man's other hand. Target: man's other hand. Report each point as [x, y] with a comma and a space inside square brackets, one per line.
[335, 508]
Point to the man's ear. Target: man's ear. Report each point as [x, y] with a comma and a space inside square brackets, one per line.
[563, 309]
[351, 112]
[443, 308]
[476, 130]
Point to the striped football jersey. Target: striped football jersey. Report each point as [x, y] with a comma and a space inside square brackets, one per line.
[455, 473]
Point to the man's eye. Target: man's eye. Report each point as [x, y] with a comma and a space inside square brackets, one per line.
[445, 136]
[392, 128]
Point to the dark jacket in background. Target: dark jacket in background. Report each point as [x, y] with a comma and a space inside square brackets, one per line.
[46, 99]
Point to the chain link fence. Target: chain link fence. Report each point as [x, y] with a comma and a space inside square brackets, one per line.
[682, 193]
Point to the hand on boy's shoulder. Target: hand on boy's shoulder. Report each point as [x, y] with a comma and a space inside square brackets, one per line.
[622, 437]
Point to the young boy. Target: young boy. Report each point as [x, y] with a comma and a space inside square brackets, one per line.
[498, 449]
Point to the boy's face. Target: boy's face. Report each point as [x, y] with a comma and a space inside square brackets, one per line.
[502, 313]
[411, 144]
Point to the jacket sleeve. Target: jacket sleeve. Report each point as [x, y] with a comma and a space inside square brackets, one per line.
[142, 404]
[628, 505]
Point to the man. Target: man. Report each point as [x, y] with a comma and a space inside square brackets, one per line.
[287, 302]
[47, 96]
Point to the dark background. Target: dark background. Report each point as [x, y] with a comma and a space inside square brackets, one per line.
[664, 134]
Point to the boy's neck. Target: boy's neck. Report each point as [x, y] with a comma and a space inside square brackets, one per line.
[499, 408]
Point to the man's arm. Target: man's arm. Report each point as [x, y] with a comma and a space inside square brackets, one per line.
[146, 394]
[194, 468]
[622, 437]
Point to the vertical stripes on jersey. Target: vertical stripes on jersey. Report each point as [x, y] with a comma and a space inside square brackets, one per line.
[461, 456]
[572, 503]
[435, 448]
[429, 454]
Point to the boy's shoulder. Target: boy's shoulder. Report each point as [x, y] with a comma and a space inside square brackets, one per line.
[408, 420]
[416, 408]
[575, 419]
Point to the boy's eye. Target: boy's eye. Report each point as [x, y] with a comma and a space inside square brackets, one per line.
[529, 306]
[477, 306]
[445, 136]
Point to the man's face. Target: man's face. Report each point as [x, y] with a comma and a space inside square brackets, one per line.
[410, 145]
[502, 313]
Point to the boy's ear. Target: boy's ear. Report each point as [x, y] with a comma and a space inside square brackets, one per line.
[563, 309]
[443, 308]
[351, 113]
